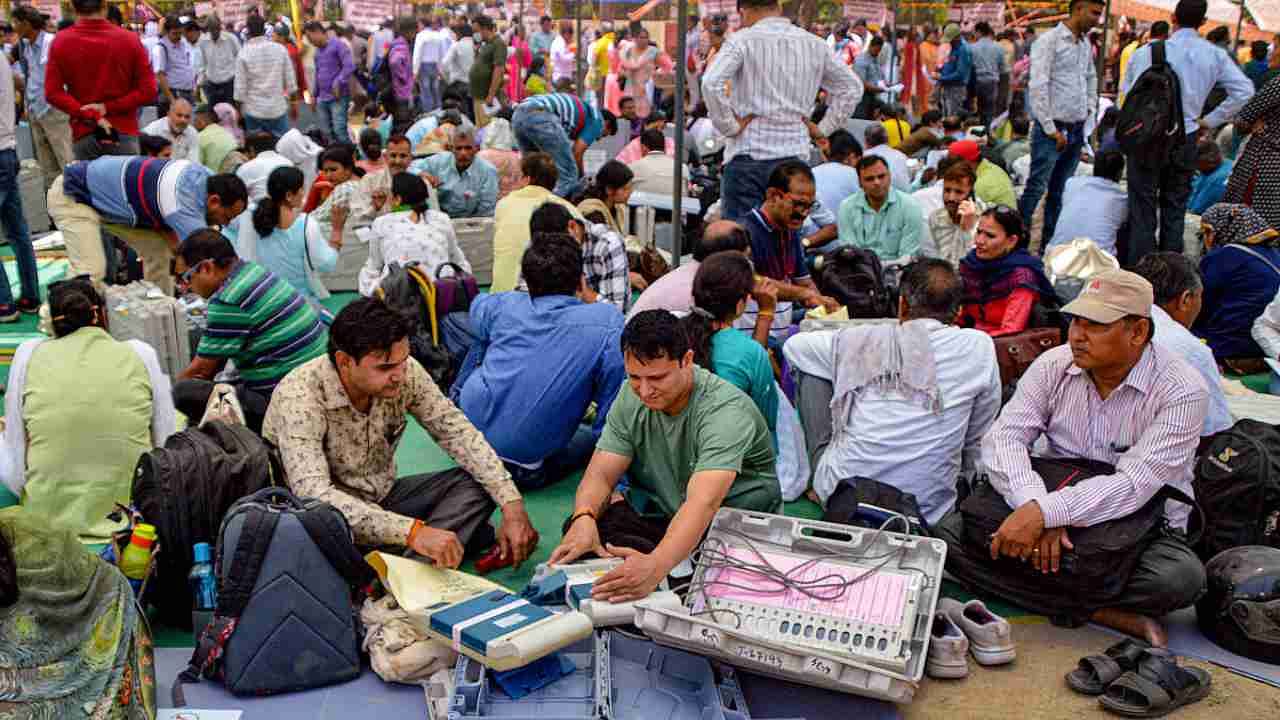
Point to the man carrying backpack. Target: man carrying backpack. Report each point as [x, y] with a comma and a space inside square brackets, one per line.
[1160, 168]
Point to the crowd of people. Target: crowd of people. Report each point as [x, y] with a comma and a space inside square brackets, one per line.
[693, 387]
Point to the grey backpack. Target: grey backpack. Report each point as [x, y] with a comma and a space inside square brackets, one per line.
[285, 618]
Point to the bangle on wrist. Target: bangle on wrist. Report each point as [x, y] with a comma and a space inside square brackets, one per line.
[584, 512]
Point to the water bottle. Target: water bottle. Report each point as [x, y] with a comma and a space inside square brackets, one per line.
[137, 555]
[204, 588]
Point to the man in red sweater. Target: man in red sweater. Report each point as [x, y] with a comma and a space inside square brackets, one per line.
[100, 75]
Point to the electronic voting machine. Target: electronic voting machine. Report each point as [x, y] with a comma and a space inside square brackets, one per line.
[503, 631]
[571, 584]
[823, 604]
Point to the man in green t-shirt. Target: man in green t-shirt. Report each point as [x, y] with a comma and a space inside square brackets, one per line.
[255, 318]
[487, 70]
[687, 438]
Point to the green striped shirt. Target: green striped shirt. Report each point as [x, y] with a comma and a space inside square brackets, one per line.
[263, 324]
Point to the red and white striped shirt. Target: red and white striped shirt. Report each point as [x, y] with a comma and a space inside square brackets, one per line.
[773, 70]
[1148, 428]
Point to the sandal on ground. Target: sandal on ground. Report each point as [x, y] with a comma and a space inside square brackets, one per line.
[1156, 688]
[1096, 672]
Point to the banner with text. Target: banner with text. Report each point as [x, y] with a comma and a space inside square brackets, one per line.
[875, 13]
[367, 14]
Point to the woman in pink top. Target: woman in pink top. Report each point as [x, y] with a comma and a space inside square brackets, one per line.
[519, 58]
[640, 63]
[612, 87]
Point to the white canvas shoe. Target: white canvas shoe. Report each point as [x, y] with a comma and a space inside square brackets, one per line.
[948, 649]
[990, 637]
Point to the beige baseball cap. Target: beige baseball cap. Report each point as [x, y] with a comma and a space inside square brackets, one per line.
[1111, 295]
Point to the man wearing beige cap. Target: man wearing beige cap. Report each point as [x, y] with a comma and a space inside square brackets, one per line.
[1109, 395]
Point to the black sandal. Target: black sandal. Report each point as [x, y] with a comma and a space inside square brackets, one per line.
[1156, 688]
[1096, 672]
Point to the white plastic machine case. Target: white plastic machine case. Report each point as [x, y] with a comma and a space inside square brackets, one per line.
[140, 311]
[475, 238]
[579, 579]
[864, 654]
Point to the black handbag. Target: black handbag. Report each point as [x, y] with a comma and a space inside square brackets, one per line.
[1098, 569]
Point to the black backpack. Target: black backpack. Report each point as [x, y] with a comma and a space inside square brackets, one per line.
[184, 489]
[1151, 128]
[855, 278]
[286, 569]
[379, 85]
[1237, 482]
[404, 290]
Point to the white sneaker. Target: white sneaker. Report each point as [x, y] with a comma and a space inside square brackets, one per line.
[948, 649]
[990, 637]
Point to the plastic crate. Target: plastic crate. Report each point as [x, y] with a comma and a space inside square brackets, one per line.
[615, 678]
[860, 643]
[475, 238]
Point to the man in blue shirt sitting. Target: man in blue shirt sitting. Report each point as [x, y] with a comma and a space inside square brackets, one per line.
[1210, 184]
[468, 185]
[539, 360]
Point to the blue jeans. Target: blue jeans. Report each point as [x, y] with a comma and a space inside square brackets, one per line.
[429, 86]
[567, 460]
[276, 126]
[1050, 170]
[15, 225]
[541, 131]
[743, 183]
[332, 116]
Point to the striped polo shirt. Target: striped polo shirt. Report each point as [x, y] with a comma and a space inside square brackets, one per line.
[263, 324]
[142, 192]
[580, 121]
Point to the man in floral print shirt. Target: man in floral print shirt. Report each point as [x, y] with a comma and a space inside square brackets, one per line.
[338, 419]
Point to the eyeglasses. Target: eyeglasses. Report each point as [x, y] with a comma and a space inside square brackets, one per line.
[801, 205]
[185, 278]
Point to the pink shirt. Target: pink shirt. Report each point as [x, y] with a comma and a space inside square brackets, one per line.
[634, 151]
[673, 291]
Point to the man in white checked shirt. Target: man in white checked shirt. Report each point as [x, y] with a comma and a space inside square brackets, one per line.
[760, 90]
[1110, 395]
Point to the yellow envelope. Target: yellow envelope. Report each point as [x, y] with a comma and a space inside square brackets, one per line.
[417, 585]
[820, 313]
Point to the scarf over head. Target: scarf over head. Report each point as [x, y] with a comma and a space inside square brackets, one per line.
[1235, 224]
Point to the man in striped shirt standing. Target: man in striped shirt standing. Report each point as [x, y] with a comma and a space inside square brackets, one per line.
[1110, 395]
[760, 91]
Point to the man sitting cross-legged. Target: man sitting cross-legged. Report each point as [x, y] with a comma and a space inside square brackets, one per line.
[682, 435]
[912, 413]
[1112, 396]
[338, 420]
[538, 361]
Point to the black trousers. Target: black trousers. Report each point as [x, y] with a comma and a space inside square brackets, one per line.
[1165, 192]
[446, 500]
[1168, 575]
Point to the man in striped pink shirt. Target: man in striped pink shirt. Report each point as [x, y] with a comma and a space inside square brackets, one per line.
[1109, 395]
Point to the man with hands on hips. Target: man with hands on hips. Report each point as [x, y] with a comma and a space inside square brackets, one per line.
[688, 439]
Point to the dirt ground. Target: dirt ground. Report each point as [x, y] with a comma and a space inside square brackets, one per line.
[1032, 687]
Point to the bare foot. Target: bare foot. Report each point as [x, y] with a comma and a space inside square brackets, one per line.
[1132, 623]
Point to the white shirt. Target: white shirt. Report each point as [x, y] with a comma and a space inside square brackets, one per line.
[775, 70]
[1063, 82]
[1174, 337]
[255, 173]
[655, 173]
[1097, 208]
[397, 238]
[186, 144]
[264, 79]
[563, 59]
[13, 456]
[458, 61]
[929, 199]
[897, 441]
[898, 167]
[430, 46]
[1266, 329]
